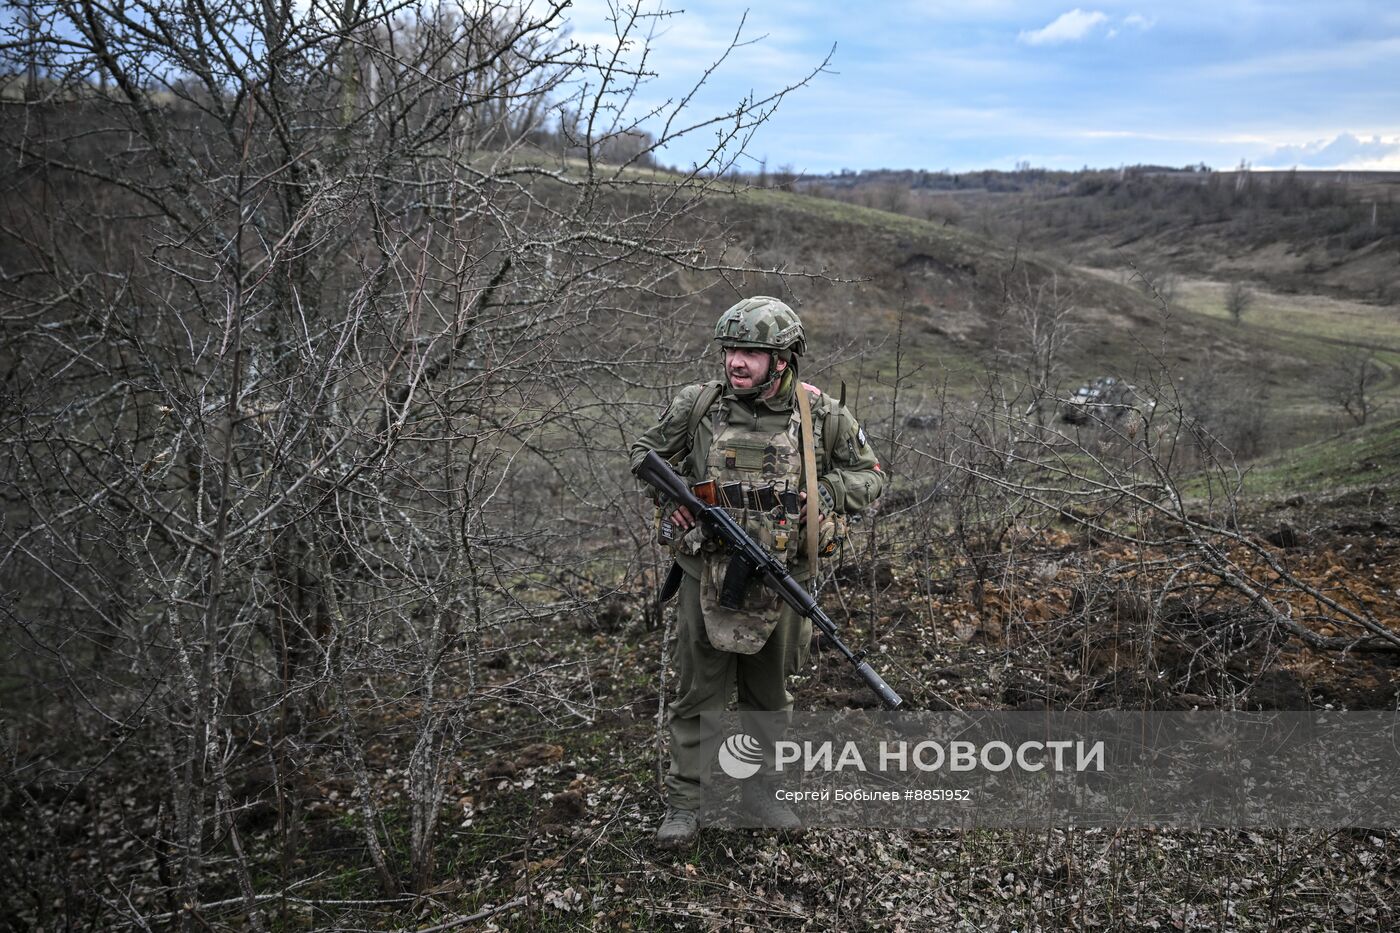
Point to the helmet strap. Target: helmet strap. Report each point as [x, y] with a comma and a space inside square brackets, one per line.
[774, 377]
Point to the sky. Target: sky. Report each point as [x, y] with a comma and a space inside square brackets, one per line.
[974, 84]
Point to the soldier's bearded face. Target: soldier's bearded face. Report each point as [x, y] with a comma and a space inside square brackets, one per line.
[747, 368]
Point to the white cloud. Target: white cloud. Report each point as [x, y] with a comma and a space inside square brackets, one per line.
[1067, 27]
[1138, 21]
[1390, 163]
[1346, 150]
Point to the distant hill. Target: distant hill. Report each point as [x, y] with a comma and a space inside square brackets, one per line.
[952, 283]
[1310, 231]
[959, 289]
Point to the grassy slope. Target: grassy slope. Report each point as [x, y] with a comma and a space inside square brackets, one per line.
[1293, 341]
[1366, 457]
[1318, 329]
[1322, 243]
[952, 285]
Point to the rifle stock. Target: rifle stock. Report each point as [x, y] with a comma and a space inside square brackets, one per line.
[658, 474]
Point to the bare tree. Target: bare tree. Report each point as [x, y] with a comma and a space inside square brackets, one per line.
[305, 318]
[1043, 328]
[1238, 299]
[1350, 381]
[894, 197]
[1228, 406]
[1159, 285]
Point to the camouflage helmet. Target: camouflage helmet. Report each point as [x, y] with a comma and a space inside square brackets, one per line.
[762, 323]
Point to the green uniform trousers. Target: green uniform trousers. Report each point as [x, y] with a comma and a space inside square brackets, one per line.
[708, 677]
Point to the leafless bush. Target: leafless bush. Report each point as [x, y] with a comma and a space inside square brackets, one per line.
[1238, 299]
[1159, 285]
[1161, 497]
[1042, 328]
[1229, 406]
[315, 355]
[1350, 382]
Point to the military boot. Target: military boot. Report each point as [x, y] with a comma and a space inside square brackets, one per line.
[677, 829]
[758, 799]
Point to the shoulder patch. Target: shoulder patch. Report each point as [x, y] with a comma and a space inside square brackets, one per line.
[860, 437]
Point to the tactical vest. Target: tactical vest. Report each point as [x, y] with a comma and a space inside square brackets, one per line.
[757, 475]
[708, 460]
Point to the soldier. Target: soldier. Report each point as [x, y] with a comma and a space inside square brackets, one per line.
[748, 434]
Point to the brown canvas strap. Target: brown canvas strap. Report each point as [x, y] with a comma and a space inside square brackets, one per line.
[809, 470]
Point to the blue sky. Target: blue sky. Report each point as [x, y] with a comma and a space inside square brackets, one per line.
[987, 84]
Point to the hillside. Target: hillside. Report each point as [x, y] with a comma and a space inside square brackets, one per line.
[960, 292]
[1301, 232]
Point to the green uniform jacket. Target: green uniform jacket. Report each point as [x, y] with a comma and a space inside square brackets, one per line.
[846, 464]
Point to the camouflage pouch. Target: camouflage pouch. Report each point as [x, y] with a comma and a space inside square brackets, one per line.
[744, 631]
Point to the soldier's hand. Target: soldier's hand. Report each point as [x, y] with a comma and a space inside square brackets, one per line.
[683, 519]
[802, 512]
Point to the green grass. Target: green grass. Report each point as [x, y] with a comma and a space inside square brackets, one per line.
[841, 212]
[1291, 343]
[1313, 316]
[1367, 456]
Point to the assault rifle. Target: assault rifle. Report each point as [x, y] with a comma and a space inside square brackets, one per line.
[656, 472]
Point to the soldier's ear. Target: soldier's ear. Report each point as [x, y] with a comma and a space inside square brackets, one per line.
[779, 364]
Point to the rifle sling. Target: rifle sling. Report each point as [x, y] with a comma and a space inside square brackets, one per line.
[809, 471]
